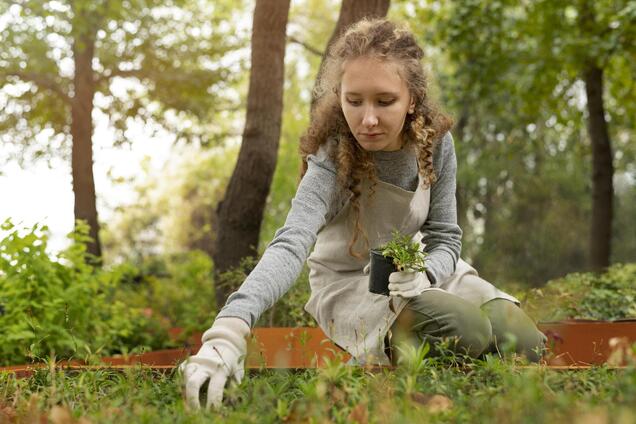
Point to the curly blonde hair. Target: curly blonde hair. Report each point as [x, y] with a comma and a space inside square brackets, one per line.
[383, 40]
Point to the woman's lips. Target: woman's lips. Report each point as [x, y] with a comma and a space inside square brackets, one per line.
[371, 134]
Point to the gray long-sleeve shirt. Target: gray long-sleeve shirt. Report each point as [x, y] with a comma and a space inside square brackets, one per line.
[318, 199]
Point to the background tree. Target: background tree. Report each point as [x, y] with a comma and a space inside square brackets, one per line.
[240, 213]
[173, 208]
[136, 62]
[523, 152]
[583, 38]
[352, 11]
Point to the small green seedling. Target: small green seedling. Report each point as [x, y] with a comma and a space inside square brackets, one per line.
[405, 252]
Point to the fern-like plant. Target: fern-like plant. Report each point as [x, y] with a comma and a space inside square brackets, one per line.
[405, 252]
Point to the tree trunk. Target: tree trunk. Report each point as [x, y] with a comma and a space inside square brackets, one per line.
[602, 171]
[602, 166]
[240, 213]
[461, 194]
[82, 132]
[351, 11]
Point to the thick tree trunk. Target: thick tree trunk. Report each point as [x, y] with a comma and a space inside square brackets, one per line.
[602, 171]
[240, 213]
[351, 11]
[82, 132]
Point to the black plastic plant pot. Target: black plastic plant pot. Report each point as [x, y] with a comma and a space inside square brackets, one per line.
[379, 270]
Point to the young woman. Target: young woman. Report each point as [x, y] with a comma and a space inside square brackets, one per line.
[379, 158]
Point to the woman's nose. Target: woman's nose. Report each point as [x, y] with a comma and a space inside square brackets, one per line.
[370, 118]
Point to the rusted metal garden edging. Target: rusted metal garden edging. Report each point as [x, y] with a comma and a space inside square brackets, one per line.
[587, 342]
[573, 344]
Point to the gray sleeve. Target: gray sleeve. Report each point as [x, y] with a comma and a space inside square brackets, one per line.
[283, 259]
[442, 235]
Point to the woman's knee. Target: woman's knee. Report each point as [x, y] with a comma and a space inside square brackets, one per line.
[473, 330]
[441, 315]
[514, 330]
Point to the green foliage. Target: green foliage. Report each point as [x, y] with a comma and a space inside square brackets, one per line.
[405, 252]
[411, 358]
[155, 63]
[177, 290]
[510, 73]
[624, 230]
[174, 208]
[608, 296]
[234, 277]
[63, 307]
[541, 228]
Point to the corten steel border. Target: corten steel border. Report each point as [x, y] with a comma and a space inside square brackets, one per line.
[585, 342]
[573, 344]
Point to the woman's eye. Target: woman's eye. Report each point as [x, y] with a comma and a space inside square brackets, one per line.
[354, 102]
[385, 102]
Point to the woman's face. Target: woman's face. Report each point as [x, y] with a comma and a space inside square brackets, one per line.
[375, 101]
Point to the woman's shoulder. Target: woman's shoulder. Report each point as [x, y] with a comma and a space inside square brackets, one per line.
[444, 150]
[324, 156]
[445, 144]
[444, 159]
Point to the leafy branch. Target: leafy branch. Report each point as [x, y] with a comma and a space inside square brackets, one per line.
[41, 80]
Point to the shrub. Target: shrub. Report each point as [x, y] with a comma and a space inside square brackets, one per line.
[177, 289]
[606, 296]
[64, 306]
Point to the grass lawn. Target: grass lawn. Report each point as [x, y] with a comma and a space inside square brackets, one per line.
[428, 390]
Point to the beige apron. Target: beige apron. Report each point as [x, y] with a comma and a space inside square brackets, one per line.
[340, 301]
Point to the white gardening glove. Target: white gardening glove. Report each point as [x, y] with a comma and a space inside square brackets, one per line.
[221, 356]
[408, 284]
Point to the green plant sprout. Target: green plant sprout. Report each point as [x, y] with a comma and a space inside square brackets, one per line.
[405, 252]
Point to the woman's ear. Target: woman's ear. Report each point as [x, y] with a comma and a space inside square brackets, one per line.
[411, 107]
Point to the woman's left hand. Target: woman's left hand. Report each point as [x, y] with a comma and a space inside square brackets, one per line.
[408, 284]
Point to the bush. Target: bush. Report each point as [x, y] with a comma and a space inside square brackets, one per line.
[64, 306]
[607, 296]
[177, 289]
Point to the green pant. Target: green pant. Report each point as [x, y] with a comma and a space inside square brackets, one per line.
[498, 326]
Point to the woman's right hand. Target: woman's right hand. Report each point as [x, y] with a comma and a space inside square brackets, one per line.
[221, 356]
[408, 284]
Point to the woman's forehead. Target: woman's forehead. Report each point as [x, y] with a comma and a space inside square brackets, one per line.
[369, 75]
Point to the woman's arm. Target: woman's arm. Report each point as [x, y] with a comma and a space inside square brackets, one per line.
[285, 255]
[442, 235]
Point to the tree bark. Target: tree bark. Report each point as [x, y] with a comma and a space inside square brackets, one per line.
[81, 133]
[602, 166]
[351, 11]
[240, 213]
[602, 171]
